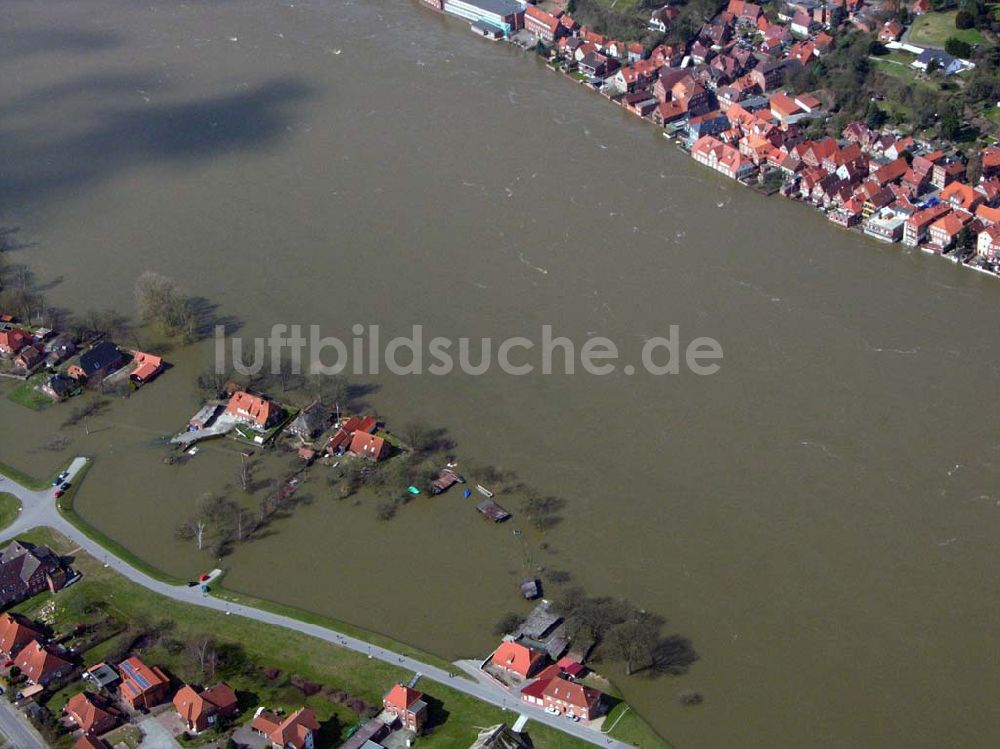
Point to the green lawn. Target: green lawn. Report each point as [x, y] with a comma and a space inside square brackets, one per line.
[291, 652]
[9, 507]
[28, 395]
[933, 29]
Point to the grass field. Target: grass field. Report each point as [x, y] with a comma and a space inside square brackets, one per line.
[9, 507]
[28, 395]
[459, 716]
[933, 29]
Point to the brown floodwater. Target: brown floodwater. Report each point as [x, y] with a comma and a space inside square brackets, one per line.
[820, 517]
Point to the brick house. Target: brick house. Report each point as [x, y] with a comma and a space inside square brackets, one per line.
[768, 75]
[15, 633]
[201, 710]
[41, 664]
[945, 230]
[917, 225]
[100, 361]
[407, 705]
[26, 570]
[254, 410]
[297, 731]
[543, 25]
[13, 340]
[562, 697]
[147, 367]
[364, 445]
[517, 659]
[142, 687]
[94, 714]
[988, 243]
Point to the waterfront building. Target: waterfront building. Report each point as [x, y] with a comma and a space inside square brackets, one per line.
[988, 243]
[506, 15]
[886, 225]
[543, 25]
[917, 225]
[945, 230]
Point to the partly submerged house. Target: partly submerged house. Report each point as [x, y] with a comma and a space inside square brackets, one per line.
[311, 421]
[147, 367]
[96, 364]
[364, 445]
[254, 410]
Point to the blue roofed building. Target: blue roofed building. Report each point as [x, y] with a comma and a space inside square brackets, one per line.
[505, 15]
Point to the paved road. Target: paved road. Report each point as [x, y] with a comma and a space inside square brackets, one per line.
[16, 728]
[39, 509]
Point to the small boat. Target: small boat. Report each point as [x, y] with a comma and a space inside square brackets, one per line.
[193, 451]
[484, 491]
[413, 490]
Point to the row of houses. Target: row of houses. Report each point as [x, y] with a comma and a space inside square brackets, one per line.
[555, 687]
[723, 94]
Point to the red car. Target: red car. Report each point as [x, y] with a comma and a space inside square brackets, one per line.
[59, 493]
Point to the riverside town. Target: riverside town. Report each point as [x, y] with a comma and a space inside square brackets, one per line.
[764, 94]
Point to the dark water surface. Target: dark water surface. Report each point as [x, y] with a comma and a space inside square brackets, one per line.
[820, 517]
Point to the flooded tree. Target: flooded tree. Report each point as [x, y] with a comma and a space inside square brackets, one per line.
[634, 641]
[542, 512]
[246, 474]
[161, 303]
[508, 623]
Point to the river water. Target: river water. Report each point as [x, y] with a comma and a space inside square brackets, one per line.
[820, 517]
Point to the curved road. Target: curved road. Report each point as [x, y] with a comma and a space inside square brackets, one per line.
[39, 509]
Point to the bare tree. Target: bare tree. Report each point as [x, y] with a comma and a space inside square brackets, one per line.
[204, 651]
[246, 473]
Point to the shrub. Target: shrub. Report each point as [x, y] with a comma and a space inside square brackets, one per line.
[957, 47]
[964, 20]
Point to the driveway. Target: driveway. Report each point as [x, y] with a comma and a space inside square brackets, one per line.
[155, 735]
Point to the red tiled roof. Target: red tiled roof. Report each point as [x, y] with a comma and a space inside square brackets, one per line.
[574, 694]
[251, 407]
[367, 445]
[84, 710]
[987, 214]
[36, 661]
[513, 656]
[14, 339]
[401, 697]
[16, 632]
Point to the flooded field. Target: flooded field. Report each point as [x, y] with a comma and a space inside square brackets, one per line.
[820, 517]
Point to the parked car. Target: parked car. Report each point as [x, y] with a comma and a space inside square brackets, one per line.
[59, 493]
[60, 478]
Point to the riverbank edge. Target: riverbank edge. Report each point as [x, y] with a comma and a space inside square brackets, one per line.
[65, 506]
[231, 629]
[857, 229]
